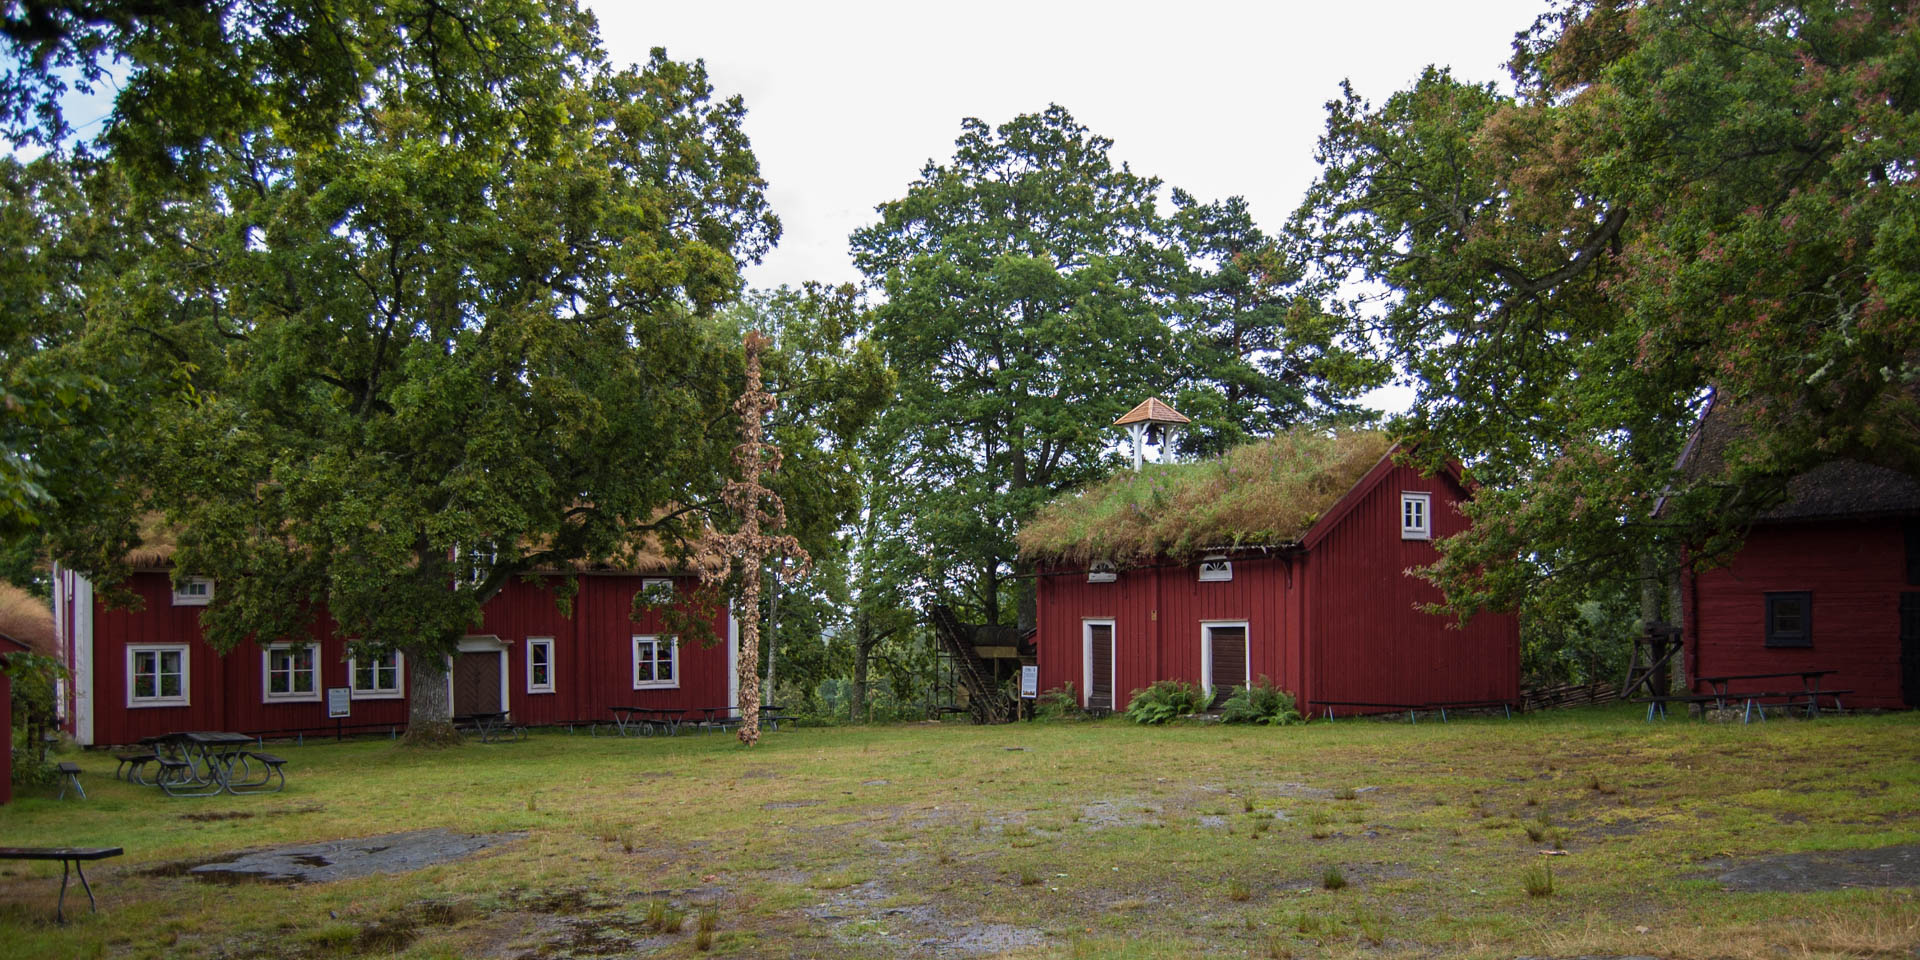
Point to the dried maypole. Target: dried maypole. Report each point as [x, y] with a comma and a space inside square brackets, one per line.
[760, 509]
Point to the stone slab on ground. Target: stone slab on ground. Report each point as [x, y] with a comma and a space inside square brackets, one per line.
[1897, 866]
[357, 857]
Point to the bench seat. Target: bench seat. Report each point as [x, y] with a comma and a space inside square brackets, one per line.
[69, 857]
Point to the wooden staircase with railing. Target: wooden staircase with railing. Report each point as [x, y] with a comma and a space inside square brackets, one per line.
[986, 702]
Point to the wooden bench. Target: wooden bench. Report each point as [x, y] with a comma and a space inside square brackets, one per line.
[70, 776]
[67, 856]
[1657, 706]
[132, 764]
[273, 765]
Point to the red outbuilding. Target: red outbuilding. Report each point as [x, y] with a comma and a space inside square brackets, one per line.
[1827, 581]
[1306, 582]
[147, 671]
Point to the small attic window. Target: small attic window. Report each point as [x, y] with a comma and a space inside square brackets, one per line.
[193, 592]
[1102, 571]
[1216, 567]
[1416, 516]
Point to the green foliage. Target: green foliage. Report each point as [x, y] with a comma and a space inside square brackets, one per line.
[1267, 492]
[1332, 879]
[1165, 700]
[1261, 703]
[1060, 703]
[1682, 197]
[1537, 880]
[34, 680]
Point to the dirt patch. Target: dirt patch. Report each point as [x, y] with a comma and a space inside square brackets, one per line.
[861, 913]
[214, 817]
[321, 862]
[1897, 866]
[790, 804]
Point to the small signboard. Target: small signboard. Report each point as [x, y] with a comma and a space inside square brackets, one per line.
[339, 702]
[1029, 682]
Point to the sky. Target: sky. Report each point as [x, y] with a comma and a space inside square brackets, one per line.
[847, 101]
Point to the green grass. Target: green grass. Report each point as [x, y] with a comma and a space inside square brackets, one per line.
[1098, 840]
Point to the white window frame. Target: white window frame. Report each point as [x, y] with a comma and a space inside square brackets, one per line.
[673, 662]
[1222, 568]
[186, 675]
[266, 674]
[1424, 529]
[399, 690]
[1206, 652]
[184, 595]
[1102, 571]
[544, 643]
[1086, 661]
[656, 590]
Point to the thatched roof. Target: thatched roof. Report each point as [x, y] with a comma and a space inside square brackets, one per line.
[26, 620]
[1151, 410]
[1837, 488]
[1267, 493]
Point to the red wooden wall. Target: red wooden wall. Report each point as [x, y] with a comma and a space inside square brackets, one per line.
[1370, 639]
[1856, 571]
[593, 664]
[6, 739]
[1339, 622]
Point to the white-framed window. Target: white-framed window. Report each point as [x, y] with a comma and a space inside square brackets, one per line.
[1416, 516]
[656, 662]
[1102, 571]
[157, 675]
[193, 591]
[540, 665]
[474, 563]
[656, 591]
[292, 672]
[1216, 567]
[378, 677]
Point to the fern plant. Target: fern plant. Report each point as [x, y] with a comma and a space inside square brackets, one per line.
[1261, 703]
[1164, 701]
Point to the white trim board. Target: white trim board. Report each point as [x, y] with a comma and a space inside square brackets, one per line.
[1086, 660]
[1206, 650]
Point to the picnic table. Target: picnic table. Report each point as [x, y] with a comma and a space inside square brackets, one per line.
[1413, 709]
[643, 720]
[68, 857]
[493, 726]
[722, 718]
[204, 763]
[1809, 691]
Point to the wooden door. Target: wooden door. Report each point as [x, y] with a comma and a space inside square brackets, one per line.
[1100, 666]
[1227, 650]
[1910, 648]
[476, 683]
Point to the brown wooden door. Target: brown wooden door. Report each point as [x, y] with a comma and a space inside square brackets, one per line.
[1228, 648]
[1100, 666]
[476, 683]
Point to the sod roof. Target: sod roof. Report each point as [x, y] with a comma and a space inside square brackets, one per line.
[1267, 493]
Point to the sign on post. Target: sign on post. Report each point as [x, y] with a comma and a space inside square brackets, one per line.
[1029, 682]
[339, 702]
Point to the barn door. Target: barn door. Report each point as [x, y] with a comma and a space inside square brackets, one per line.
[1226, 661]
[476, 683]
[1100, 666]
[1910, 648]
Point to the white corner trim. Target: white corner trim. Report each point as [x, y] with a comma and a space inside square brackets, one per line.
[733, 658]
[73, 623]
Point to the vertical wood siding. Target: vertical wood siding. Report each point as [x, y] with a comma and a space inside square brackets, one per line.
[1856, 571]
[1368, 639]
[593, 664]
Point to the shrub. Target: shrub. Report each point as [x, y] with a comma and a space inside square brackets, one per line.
[1164, 701]
[1261, 703]
[35, 721]
[1538, 880]
[1060, 703]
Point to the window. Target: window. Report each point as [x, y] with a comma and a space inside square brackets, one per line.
[1102, 571]
[474, 564]
[540, 665]
[1216, 567]
[193, 592]
[378, 677]
[291, 672]
[1415, 519]
[157, 675]
[1790, 619]
[656, 662]
[656, 592]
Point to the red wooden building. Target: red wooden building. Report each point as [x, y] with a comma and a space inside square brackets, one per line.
[1328, 612]
[1828, 580]
[136, 673]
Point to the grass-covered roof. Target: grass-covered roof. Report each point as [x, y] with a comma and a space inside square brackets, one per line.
[1265, 493]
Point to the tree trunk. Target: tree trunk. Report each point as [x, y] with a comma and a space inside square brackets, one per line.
[429, 703]
[862, 652]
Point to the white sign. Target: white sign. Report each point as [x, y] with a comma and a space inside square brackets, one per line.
[339, 702]
[1029, 682]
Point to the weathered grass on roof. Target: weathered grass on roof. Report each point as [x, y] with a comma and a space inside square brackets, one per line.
[27, 619]
[1266, 493]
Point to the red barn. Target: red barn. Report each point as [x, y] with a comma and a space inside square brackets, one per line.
[138, 673]
[1314, 593]
[1828, 580]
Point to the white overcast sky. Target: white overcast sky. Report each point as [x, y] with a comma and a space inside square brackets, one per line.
[846, 101]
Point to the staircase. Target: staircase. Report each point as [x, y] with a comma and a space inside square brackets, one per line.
[985, 701]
